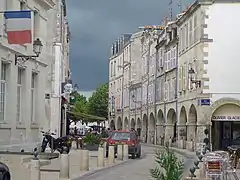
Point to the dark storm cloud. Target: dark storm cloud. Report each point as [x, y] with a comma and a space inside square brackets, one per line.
[95, 24]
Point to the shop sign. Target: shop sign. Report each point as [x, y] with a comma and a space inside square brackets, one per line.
[226, 118]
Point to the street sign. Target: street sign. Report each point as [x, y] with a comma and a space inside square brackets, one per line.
[205, 102]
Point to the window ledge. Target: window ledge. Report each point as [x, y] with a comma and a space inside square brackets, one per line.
[5, 125]
[34, 125]
[20, 125]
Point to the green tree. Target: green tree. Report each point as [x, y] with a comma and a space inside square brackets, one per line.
[98, 103]
[169, 167]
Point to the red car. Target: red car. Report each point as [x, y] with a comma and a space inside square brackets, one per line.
[126, 137]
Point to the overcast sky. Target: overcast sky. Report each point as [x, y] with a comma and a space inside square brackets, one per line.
[95, 24]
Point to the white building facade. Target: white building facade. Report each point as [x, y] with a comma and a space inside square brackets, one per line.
[26, 88]
[189, 81]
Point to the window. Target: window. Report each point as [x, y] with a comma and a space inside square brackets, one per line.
[186, 28]
[33, 95]
[162, 89]
[180, 78]
[195, 29]
[190, 32]
[184, 75]
[169, 60]
[111, 69]
[166, 91]
[3, 91]
[19, 93]
[174, 88]
[184, 38]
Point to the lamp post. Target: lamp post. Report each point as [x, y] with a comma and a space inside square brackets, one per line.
[37, 49]
[75, 88]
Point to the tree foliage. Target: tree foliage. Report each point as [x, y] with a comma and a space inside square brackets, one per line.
[98, 102]
[169, 167]
[94, 109]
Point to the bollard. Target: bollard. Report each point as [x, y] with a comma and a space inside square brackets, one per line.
[111, 154]
[104, 148]
[85, 160]
[35, 168]
[100, 160]
[64, 165]
[125, 152]
[80, 159]
[120, 152]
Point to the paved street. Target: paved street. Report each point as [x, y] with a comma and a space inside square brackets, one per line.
[135, 169]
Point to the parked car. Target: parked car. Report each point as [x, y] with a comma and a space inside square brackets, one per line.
[125, 137]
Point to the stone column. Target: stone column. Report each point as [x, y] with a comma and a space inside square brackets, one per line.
[182, 135]
[168, 132]
[191, 135]
[160, 133]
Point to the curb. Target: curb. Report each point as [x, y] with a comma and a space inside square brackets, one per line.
[92, 172]
[185, 153]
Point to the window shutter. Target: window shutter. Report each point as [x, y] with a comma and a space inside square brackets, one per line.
[180, 78]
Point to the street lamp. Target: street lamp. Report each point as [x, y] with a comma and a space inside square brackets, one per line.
[194, 81]
[75, 88]
[37, 49]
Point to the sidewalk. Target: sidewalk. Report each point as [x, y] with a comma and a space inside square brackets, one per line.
[21, 170]
[183, 152]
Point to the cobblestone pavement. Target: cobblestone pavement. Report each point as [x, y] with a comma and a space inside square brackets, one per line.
[137, 169]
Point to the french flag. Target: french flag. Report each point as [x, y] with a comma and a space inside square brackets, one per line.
[18, 26]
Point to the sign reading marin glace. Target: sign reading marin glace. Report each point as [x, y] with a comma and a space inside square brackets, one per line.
[222, 118]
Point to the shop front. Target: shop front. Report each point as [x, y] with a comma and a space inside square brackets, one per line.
[226, 126]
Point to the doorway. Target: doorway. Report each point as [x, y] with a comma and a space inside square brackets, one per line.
[224, 134]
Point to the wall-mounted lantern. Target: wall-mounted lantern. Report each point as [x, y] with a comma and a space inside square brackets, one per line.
[191, 73]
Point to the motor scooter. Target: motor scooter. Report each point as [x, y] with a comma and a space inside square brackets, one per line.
[60, 144]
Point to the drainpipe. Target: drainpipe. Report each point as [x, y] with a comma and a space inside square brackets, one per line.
[176, 90]
[155, 97]
[129, 77]
[123, 120]
[148, 57]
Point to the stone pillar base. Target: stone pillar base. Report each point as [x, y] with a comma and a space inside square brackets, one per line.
[181, 144]
[190, 145]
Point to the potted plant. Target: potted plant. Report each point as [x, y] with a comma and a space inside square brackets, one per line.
[91, 142]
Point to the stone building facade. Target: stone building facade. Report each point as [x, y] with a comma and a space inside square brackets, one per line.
[189, 78]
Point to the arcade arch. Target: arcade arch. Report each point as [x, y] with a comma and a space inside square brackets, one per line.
[119, 123]
[133, 123]
[192, 123]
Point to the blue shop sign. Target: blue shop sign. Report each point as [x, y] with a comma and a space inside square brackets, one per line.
[205, 102]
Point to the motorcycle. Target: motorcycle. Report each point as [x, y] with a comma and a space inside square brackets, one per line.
[60, 144]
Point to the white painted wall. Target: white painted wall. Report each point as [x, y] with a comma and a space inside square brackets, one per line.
[223, 54]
